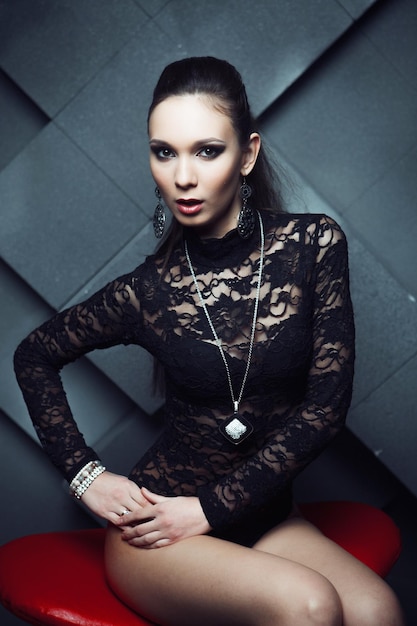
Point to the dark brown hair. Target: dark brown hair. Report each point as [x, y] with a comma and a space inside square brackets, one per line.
[221, 82]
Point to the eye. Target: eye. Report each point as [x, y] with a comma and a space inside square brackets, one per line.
[210, 152]
[162, 152]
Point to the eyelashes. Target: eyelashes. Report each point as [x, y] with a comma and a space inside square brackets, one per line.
[208, 152]
[162, 153]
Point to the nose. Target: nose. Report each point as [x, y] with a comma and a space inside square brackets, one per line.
[185, 174]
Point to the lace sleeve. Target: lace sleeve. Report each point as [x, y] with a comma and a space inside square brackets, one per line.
[107, 318]
[312, 424]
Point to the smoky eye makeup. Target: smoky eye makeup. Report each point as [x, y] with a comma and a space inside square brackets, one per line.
[211, 151]
[207, 149]
[161, 151]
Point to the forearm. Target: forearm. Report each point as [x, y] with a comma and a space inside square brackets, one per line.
[264, 477]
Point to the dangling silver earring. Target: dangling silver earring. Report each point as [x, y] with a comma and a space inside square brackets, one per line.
[159, 216]
[246, 217]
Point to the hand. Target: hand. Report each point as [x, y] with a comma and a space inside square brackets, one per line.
[163, 521]
[111, 494]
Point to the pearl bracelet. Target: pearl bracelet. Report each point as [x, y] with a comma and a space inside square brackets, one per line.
[85, 477]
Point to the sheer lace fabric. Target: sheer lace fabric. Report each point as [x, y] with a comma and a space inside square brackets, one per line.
[299, 384]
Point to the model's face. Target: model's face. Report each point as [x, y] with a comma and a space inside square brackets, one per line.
[197, 163]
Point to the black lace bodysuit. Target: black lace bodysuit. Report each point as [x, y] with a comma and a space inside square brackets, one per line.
[299, 384]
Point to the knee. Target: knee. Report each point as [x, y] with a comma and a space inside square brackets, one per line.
[321, 605]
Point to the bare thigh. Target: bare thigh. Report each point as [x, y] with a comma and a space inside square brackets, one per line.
[211, 582]
[365, 597]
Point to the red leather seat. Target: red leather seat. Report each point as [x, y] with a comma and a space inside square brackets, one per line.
[58, 578]
[363, 530]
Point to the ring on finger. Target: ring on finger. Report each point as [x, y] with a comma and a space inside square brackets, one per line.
[124, 512]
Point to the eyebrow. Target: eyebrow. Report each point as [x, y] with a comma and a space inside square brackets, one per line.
[196, 144]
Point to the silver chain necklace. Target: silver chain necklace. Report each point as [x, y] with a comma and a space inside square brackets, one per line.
[236, 428]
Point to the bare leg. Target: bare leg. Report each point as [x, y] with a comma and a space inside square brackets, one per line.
[366, 599]
[210, 582]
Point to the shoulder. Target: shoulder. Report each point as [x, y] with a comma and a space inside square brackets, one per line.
[309, 228]
[129, 288]
[310, 222]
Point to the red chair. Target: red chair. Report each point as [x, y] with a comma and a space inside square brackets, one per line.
[58, 578]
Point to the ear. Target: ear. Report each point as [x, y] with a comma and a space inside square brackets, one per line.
[250, 154]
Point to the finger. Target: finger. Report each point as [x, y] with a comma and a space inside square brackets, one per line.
[140, 528]
[135, 518]
[114, 518]
[147, 540]
[125, 511]
[137, 497]
[159, 543]
[153, 498]
[133, 502]
[123, 519]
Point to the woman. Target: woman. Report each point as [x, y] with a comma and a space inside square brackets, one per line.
[247, 310]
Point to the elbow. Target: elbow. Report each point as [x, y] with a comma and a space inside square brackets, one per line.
[18, 355]
[22, 357]
[29, 355]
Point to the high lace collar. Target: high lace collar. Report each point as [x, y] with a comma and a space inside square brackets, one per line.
[227, 251]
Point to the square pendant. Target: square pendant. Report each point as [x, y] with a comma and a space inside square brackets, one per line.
[236, 428]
